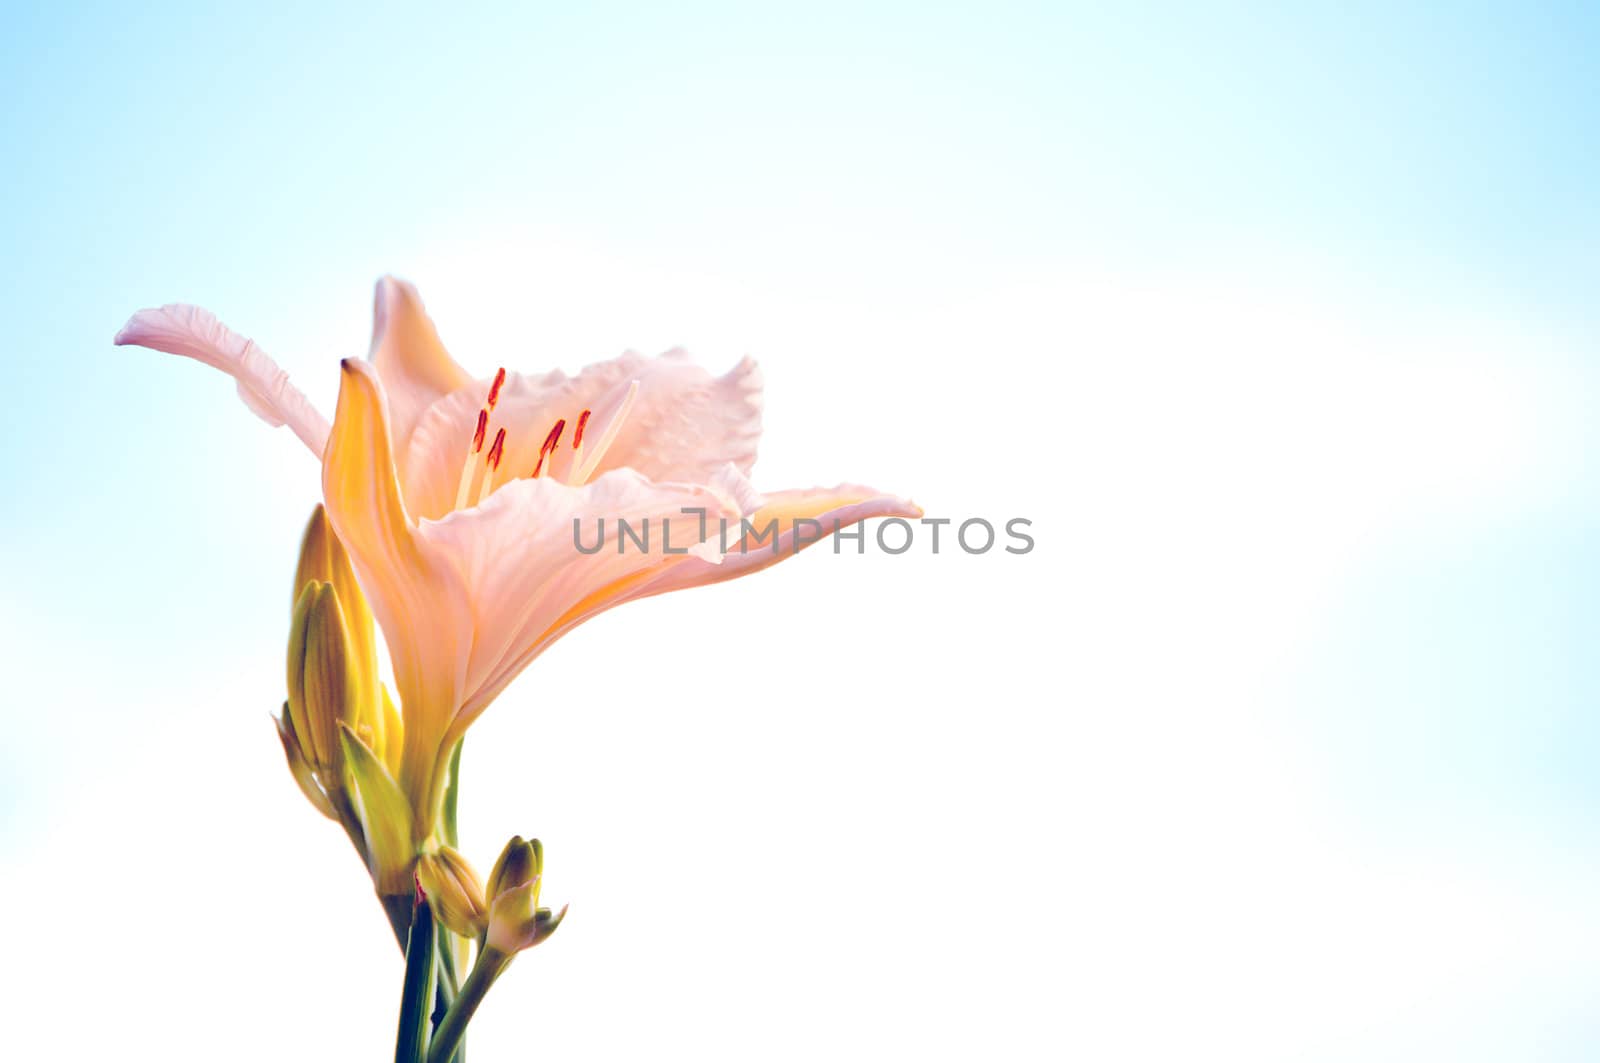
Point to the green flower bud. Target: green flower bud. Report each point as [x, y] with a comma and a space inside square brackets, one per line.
[322, 677]
[516, 922]
[519, 862]
[454, 890]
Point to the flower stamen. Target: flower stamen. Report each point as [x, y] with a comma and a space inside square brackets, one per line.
[584, 464]
[496, 452]
[469, 467]
[550, 443]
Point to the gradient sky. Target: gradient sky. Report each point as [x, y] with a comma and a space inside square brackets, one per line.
[1279, 320]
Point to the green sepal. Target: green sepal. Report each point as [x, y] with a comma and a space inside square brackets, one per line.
[299, 767]
[385, 816]
[452, 796]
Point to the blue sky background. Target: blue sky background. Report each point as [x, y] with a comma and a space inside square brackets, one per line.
[1282, 318]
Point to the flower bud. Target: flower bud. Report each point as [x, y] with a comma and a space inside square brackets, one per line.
[323, 560]
[321, 676]
[454, 890]
[514, 925]
[516, 922]
[519, 862]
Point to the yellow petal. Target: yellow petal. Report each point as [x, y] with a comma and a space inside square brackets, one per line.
[412, 585]
[393, 733]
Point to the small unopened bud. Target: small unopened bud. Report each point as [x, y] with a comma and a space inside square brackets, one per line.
[516, 922]
[519, 862]
[454, 890]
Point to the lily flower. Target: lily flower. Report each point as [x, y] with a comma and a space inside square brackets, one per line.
[456, 498]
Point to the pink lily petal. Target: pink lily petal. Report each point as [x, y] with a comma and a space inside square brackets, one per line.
[528, 407]
[522, 567]
[413, 364]
[179, 328]
[834, 507]
[682, 425]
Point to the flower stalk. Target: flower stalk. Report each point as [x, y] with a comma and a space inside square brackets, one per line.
[417, 991]
[447, 1038]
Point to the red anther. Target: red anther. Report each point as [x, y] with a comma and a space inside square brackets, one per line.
[483, 426]
[494, 389]
[550, 443]
[498, 449]
[577, 437]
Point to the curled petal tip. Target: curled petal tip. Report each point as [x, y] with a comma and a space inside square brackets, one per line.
[134, 331]
[388, 292]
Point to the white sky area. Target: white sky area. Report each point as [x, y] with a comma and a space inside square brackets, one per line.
[1064, 804]
[1277, 327]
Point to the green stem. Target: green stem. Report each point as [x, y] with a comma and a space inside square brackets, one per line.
[398, 906]
[416, 995]
[449, 983]
[491, 962]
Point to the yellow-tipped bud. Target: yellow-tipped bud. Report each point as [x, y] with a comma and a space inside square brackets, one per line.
[516, 922]
[323, 560]
[322, 677]
[520, 862]
[455, 892]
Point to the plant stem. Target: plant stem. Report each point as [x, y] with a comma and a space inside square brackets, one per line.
[416, 995]
[491, 962]
[397, 907]
[449, 983]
